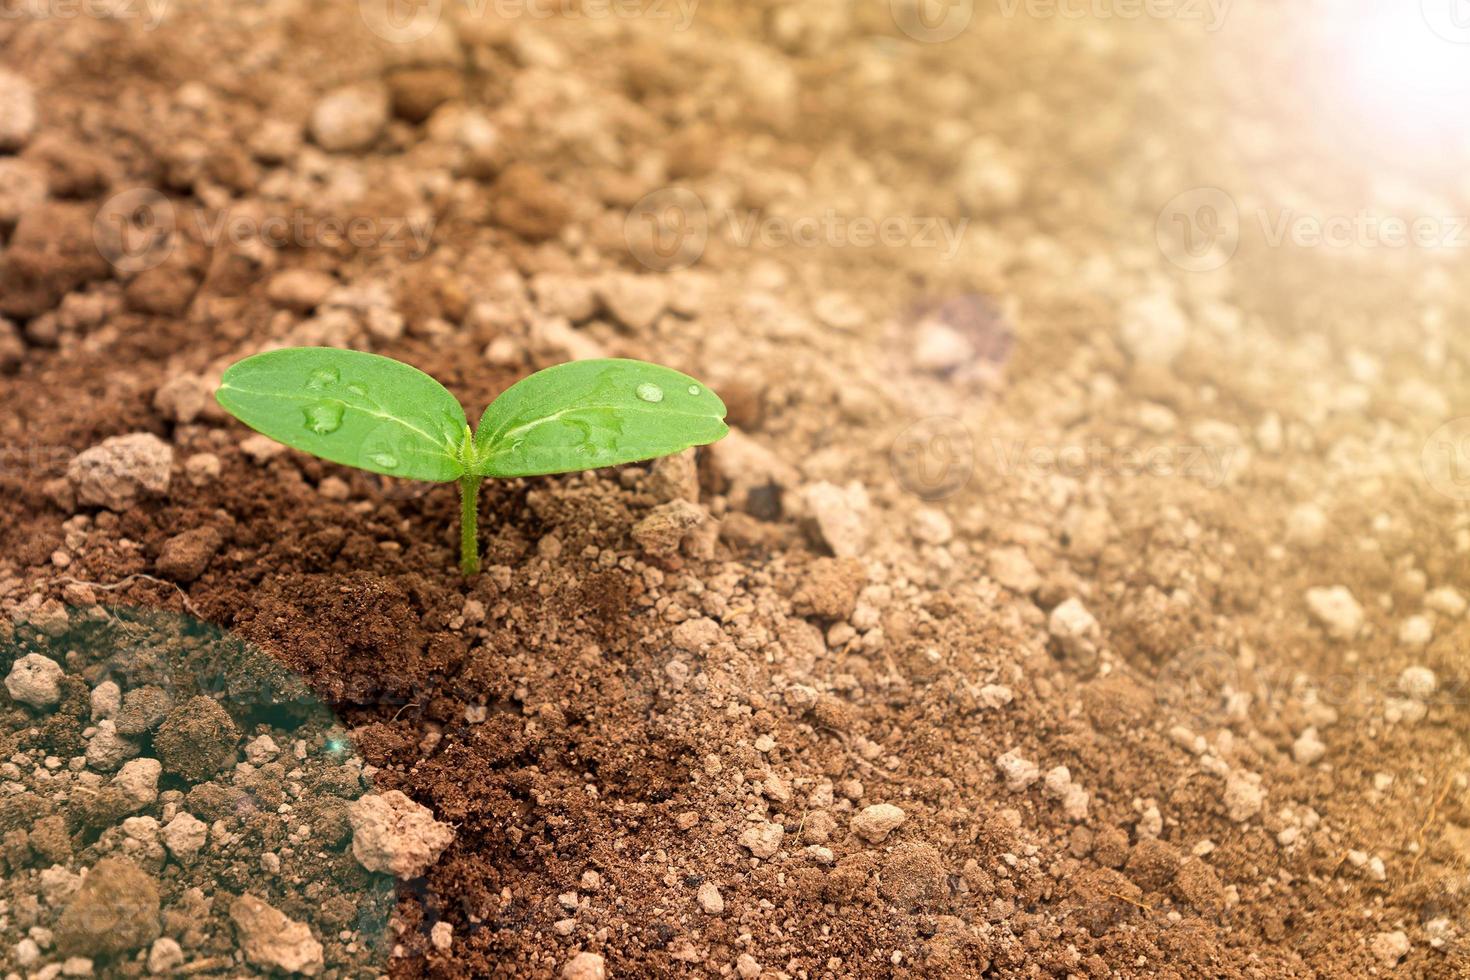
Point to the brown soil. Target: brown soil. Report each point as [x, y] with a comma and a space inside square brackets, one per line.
[610, 730]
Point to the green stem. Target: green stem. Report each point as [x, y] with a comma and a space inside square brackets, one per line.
[469, 542]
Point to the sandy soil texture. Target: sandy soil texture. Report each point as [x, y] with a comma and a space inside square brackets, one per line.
[1081, 591]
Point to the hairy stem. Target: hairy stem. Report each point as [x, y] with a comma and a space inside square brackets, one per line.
[469, 539]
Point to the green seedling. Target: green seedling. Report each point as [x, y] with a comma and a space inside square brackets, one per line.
[382, 415]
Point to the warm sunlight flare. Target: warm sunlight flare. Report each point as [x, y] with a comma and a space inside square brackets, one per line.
[1407, 65]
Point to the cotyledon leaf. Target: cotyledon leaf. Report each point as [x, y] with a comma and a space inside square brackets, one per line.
[587, 414]
[350, 407]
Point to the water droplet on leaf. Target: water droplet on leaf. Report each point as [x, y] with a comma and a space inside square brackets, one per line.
[324, 418]
[649, 392]
[322, 377]
[694, 389]
[386, 460]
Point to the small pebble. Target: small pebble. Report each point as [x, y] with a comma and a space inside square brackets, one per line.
[1418, 682]
[1243, 798]
[349, 118]
[106, 700]
[1074, 629]
[1337, 610]
[1018, 773]
[585, 966]
[165, 955]
[35, 680]
[1416, 632]
[107, 750]
[874, 823]
[138, 779]
[1446, 601]
[17, 111]
[763, 840]
[1308, 748]
[710, 899]
[1390, 947]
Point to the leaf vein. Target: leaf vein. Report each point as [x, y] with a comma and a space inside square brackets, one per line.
[554, 416]
[440, 440]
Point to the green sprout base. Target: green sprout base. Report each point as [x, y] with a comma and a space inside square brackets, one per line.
[469, 547]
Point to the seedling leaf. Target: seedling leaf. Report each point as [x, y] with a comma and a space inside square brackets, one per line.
[381, 415]
[350, 407]
[587, 414]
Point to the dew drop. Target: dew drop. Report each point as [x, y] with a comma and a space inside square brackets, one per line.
[694, 389]
[649, 392]
[386, 460]
[322, 377]
[324, 418]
